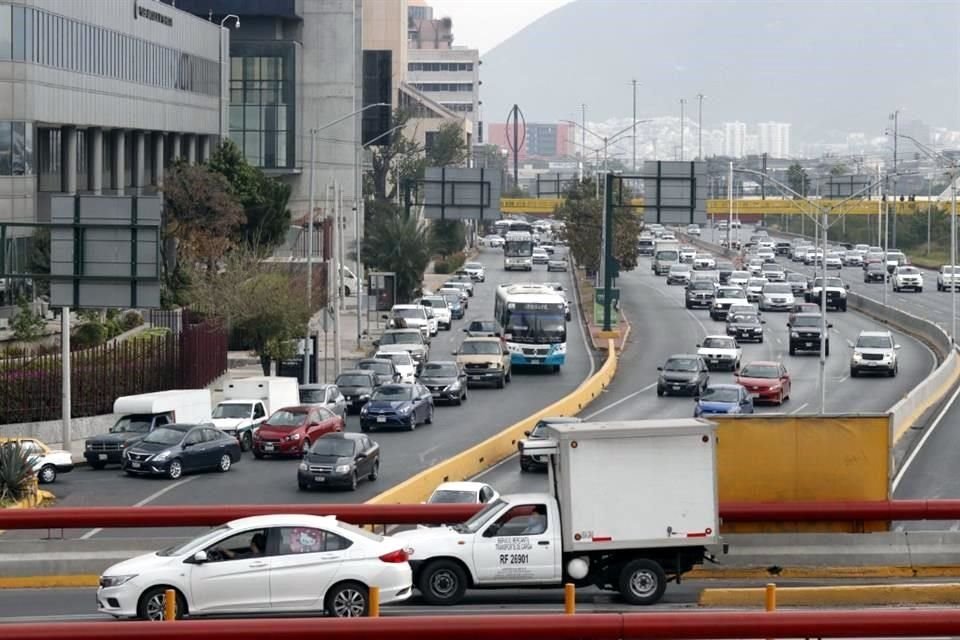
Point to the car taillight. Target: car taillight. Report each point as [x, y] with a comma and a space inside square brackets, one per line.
[398, 556]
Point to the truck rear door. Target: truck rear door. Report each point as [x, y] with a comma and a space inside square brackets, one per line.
[522, 546]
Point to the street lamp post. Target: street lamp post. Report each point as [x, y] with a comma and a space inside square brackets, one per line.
[700, 98]
[634, 165]
[683, 103]
[220, 88]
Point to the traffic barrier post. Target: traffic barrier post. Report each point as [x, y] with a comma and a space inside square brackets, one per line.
[169, 605]
[374, 604]
[569, 599]
[770, 600]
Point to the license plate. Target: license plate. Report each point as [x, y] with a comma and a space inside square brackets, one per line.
[381, 418]
[102, 456]
[319, 479]
[268, 447]
[135, 465]
[536, 360]
[676, 387]
[810, 344]
[436, 394]
[871, 363]
[755, 395]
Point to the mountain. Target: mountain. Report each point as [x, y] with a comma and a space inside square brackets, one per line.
[827, 67]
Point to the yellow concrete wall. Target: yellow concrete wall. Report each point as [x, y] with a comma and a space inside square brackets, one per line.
[469, 463]
[800, 459]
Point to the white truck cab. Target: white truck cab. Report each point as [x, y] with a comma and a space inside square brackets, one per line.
[617, 517]
[248, 402]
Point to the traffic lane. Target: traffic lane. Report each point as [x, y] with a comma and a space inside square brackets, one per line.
[273, 481]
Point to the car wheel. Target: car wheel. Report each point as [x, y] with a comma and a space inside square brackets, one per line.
[413, 423]
[153, 602]
[375, 473]
[364, 428]
[302, 485]
[47, 474]
[348, 600]
[175, 470]
[826, 349]
[660, 391]
[502, 382]
[306, 447]
[225, 463]
[246, 441]
[429, 418]
[793, 350]
[346, 291]
[642, 582]
[442, 582]
[919, 290]
[354, 481]
[780, 398]
[509, 376]
[258, 455]
[853, 372]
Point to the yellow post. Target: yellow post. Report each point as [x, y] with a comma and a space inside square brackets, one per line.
[170, 605]
[770, 599]
[569, 599]
[374, 609]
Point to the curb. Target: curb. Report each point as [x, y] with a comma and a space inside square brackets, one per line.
[823, 573]
[850, 595]
[50, 582]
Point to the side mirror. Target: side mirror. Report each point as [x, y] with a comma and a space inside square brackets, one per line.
[896, 346]
[453, 352]
[376, 343]
[526, 433]
[698, 345]
[361, 456]
[830, 326]
[788, 325]
[659, 368]
[846, 286]
[200, 557]
[464, 329]
[384, 317]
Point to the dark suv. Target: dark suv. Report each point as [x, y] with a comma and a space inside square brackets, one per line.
[700, 293]
[533, 462]
[805, 333]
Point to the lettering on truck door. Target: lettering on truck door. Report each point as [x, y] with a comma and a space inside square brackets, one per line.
[518, 547]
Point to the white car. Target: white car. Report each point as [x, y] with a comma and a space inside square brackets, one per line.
[704, 261]
[777, 296]
[494, 241]
[773, 273]
[767, 255]
[263, 564]
[669, 235]
[755, 288]
[726, 297]
[907, 277]
[834, 261]
[476, 271]
[404, 363]
[693, 230]
[440, 309]
[949, 277]
[463, 493]
[413, 316]
[755, 266]
[739, 278]
[720, 352]
[853, 258]
[687, 254]
[47, 462]
[540, 256]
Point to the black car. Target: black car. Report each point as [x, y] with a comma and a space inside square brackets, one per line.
[875, 272]
[700, 293]
[745, 326]
[805, 332]
[684, 374]
[446, 381]
[531, 461]
[384, 369]
[108, 448]
[339, 459]
[726, 268]
[357, 386]
[782, 248]
[482, 329]
[175, 449]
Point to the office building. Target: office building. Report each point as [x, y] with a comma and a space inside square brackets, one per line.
[540, 140]
[774, 139]
[97, 99]
[734, 139]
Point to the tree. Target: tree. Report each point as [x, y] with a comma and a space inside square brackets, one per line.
[583, 214]
[27, 325]
[797, 178]
[395, 162]
[449, 148]
[839, 170]
[447, 236]
[400, 245]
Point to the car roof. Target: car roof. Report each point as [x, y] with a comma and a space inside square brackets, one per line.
[481, 339]
[317, 386]
[357, 372]
[683, 355]
[281, 519]
[461, 486]
[724, 386]
[718, 335]
[417, 331]
[447, 362]
[765, 363]
[343, 435]
[397, 385]
[875, 333]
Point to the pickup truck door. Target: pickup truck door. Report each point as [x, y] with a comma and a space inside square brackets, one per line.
[521, 546]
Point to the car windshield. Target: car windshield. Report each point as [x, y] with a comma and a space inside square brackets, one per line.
[400, 358]
[340, 447]
[909, 271]
[132, 424]
[719, 343]
[482, 326]
[948, 269]
[383, 366]
[721, 394]
[476, 347]
[732, 292]
[312, 396]
[796, 277]
[706, 285]
[473, 265]
[433, 301]
[873, 342]
[679, 268]
[895, 256]
[452, 299]
[202, 541]
[409, 313]
[760, 371]
[740, 274]
[777, 288]
[667, 256]
[447, 496]
[164, 436]
[681, 364]
[875, 266]
[440, 370]
[481, 517]
[746, 318]
[725, 266]
[286, 418]
[807, 321]
[831, 282]
[757, 282]
[232, 410]
[353, 380]
[393, 394]
[401, 337]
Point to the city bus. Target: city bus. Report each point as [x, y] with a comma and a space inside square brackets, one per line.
[518, 251]
[531, 319]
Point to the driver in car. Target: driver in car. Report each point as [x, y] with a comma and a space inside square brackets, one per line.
[257, 544]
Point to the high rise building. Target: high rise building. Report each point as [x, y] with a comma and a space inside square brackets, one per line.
[774, 139]
[540, 140]
[734, 139]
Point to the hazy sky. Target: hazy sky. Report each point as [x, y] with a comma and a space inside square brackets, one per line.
[483, 24]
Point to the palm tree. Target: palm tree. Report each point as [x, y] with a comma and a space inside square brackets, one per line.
[400, 245]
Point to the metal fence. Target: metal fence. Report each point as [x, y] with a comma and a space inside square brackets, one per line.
[30, 384]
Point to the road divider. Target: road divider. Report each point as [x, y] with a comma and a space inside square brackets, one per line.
[833, 596]
[495, 449]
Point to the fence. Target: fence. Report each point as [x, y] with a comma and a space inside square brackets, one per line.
[30, 385]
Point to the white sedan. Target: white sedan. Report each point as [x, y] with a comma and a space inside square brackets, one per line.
[405, 365]
[263, 564]
[47, 463]
[463, 493]
[720, 352]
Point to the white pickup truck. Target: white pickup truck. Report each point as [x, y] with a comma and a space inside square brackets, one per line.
[619, 517]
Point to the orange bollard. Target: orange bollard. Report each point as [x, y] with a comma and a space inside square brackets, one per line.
[569, 599]
[373, 609]
[770, 597]
[170, 605]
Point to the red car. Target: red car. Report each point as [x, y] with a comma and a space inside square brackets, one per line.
[765, 381]
[290, 431]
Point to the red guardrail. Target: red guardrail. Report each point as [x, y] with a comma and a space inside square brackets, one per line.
[210, 515]
[599, 626]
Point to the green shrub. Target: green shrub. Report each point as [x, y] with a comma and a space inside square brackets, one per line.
[150, 334]
[27, 325]
[450, 263]
[131, 320]
[90, 334]
[16, 472]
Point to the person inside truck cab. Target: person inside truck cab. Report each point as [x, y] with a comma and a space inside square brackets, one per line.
[522, 520]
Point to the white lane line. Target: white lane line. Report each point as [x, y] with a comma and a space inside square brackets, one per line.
[800, 408]
[779, 341]
[916, 450]
[844, 378]
[620, 401]
[145, 501]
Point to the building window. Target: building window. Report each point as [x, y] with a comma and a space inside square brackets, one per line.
[443, 86]
[261, 122]
[16, 148]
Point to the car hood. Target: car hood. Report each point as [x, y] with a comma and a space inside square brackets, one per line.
[124, 436]
[270, 430]
[477, 358]
[717, 352]
[381, 405]
[881, 352]
[349, 390]
[327, 459]
[423, 541]
[138, 565]
[778, 295]
[730, 300]
[150, 447]
[716, 407]
[745, 325]
[410, 348]
[230, 423]
[437, 380]
[481, 334]
[757, 382]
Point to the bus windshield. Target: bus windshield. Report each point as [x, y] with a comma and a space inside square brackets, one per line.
[518, 248]
[536, 326]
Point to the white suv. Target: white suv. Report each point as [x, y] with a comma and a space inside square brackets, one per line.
[413, 316]
[874, 351]
[441, 311]
[948, 277]
[907, 277]
[777, 296]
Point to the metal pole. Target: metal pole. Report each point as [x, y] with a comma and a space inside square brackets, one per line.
[516, 147]
[336, 257]
[879, 209]
[341, 243]
[683, 102]
[886, 246]
[583, 140]
[634, 126]
[896, 137]
[700, 97]
[65, 400]
[607, 250]
[929, 186]
[730, 197]
[953, 257]
[823, 318]
[306, 343]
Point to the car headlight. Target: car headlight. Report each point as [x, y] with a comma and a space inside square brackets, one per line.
[304, 466]
[293, 436]
[116, 581]
[857, 356]
[404, 410]
[364, 410]
[342, 468]
[775, 387]
[365, 396]
[455, 386]
[163, 455]
[794, 334]
[89, 446]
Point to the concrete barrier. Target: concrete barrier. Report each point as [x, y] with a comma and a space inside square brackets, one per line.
[471, 462]
[49, 431]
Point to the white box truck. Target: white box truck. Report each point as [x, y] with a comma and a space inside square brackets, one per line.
[142, 413]
[632, 506]
[248, 402]
[666, 253]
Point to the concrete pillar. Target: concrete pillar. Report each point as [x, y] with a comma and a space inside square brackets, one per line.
[205, 148]
[139, 159]
[191, 149]
[157, 166]
[68, 159]
[174, 147]
[95, 160]
[118, 165]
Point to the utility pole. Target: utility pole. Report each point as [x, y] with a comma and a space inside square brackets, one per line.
[306, 342]
[634, 126]
[683, 103]
[700, 97]
[730, 197]
[337, 197]
[583, 140]
[896, 136]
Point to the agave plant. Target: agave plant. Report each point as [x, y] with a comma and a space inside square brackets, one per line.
[16, 472]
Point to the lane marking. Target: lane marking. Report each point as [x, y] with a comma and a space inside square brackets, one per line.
[620, 401]
[800, 408]
[926, 436]
[145, 501]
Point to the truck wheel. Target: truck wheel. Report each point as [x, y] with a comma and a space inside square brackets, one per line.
[501, 382]
[793, 350]
[442, 582]
[642, 582]
[246, 441]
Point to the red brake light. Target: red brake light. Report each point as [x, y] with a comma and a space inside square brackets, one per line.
[398, 556]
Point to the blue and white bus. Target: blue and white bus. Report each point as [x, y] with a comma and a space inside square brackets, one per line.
[518, 251]
[532, 322]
